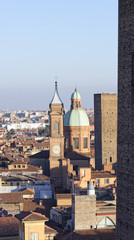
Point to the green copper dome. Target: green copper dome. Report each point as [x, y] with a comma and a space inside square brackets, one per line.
[75, 95]
[76, 117]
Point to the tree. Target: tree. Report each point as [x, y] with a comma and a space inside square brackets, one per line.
[44, 131]
[47, 130]
[12, 131]
[8, 135]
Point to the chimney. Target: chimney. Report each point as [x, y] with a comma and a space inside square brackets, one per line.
[90, 189]
[40, 202]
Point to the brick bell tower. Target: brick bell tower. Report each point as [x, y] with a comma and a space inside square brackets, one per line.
[56, 153]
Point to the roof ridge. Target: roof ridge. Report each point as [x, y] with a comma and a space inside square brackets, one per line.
[34, 213]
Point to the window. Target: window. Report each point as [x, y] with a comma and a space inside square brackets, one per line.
[83, 173]
[66, 143]
[23, 166]
[75, 168]
[110, 159]
[34, 236]
[76, 105]
[85, 142]
[56, 127]
[97, 181]
[106, 180]
[76, 143]
[18, 166]
[14, 166]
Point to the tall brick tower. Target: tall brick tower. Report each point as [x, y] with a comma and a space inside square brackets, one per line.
[56, 153]
[125, 162]
[105, 117]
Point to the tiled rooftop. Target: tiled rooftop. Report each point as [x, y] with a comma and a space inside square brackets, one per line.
[13, 197]
[63, 195]
[9, 226]
[49, 230]
[31, 216]
[27, 191]
[98, 234]
[101, 174]
[76, 156]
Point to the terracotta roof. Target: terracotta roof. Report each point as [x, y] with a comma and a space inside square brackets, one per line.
[13, 197]
[18, 162]
[98, 234]
[27, 191]
[42, 154]
[31, 216]
[27, 143]
[76, 156]
[64, 195]
[34, 216]
[30, 205]
[49, 230]
[102, 174]
[9, 226]
[60, 231]
[42, 144]
[40, 176]
[30, 168]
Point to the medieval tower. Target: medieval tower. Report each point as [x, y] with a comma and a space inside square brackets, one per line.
[125, 162]
[105, 119]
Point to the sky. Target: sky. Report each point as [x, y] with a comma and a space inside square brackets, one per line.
[71, 41]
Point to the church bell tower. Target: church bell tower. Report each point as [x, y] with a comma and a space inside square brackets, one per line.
[56, 153]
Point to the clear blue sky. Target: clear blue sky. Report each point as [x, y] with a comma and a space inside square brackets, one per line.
[75, 40]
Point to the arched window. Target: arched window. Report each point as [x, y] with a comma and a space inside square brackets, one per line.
[56, 127]
[76, 143]
[106, 222]
[76, 105]
[66, 143]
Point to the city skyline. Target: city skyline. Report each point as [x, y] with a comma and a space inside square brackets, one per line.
[70, 40]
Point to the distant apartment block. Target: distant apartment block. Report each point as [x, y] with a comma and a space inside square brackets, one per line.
[24, 125]
[105, 115]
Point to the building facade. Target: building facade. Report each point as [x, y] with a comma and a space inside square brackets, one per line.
[125, 164]
[105, 115]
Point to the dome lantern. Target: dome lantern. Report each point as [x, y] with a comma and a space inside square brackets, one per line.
[75, 100]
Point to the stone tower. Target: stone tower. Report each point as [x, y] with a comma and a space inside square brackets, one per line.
[125, 163]
[84, 208]
[56, 153]
[105, 116]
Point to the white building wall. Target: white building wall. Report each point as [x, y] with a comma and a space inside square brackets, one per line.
[24, 125]
[41, 191]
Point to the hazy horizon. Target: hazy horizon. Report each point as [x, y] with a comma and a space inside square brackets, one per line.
[73, 40]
